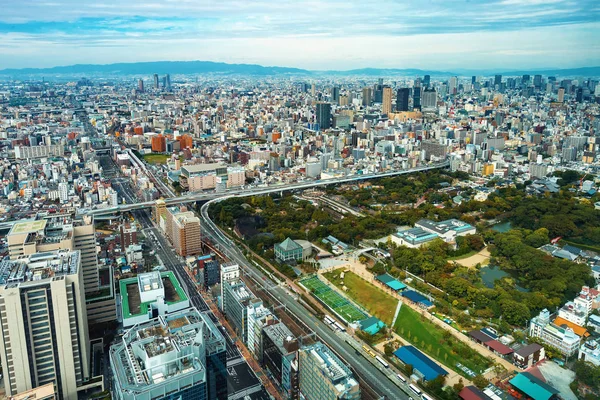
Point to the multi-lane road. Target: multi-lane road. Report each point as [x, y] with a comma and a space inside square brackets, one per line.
[382, 380]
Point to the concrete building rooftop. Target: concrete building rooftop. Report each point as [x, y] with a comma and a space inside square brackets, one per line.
[39, 266]
[132, 288]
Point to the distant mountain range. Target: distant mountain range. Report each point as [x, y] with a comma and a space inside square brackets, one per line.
[209, 67]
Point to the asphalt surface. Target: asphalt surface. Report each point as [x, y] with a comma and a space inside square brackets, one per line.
[382, 380]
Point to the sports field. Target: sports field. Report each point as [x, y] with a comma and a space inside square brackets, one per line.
[430, 339]
[332, 299]
[370, 297]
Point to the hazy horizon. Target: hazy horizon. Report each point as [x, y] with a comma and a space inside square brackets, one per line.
[315, 35]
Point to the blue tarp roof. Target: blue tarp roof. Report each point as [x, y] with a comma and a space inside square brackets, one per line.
[417, 297]
[390, 281]
[420, 362]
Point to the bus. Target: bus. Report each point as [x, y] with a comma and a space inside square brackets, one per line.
[382, 362]
[403, 379]
[414, 389]
[328, 319]
[369, 351]
[425, 397]
[339, 326]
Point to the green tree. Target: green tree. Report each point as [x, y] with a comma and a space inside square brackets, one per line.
[480, 381]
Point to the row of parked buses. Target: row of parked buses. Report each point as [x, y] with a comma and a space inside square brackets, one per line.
[415, 389]
[333, 324]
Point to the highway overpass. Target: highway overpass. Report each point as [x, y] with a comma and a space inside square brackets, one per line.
[257, 191]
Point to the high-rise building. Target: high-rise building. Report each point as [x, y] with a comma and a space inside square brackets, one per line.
[58, 232]
[473, 79]
[168, 82]
[386, 105]
[537, 81]
[187, 238]
[497, 80]
[156, 84]
[140, 85]
[237, 301]
[323, 376]
[63, 192]
[279, 356]
[335, 94]
[417, 97]
[402, 98]
[44, 323]
[561, 95]
[324, 115]
[427, 80]
[179, 356]
[159, 143]
[525, 80]
[453, 85]
[367, 96]
[429, 100]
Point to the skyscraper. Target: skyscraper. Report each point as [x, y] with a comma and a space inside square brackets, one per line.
[453, 85]
[324, 115]
[386, 105]
[156, 84]
[525, 79]
[473, 79]
[168, 82]
[417, 97]
[429, 101]
[335, 94]
[402, 97]
[561, 95]
[44, 323]
[537, 81]
[367, 96]
[140, 85]
[497, 80]
[427, 80]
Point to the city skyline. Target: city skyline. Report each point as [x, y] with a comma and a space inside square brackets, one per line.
[310, 35]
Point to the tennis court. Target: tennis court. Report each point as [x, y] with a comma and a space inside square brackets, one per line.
[332, 299]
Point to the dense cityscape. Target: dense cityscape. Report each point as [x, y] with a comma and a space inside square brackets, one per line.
[293, 237]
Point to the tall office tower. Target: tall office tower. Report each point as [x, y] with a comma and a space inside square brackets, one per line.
[323, 376]
[525, 80]
[58, 232]
[313, 89]
[537, 81]
[343, 100]
[380, 81]
[386, 105]
[417, 97]
[304, 87]
[429, 100]
[44, 322]
[453, 85]
[367, 96]
[402, 97]
[497, 80]
[156, 85]
[378, 94]
[177, 356]
[579, 95]
[324, 115]
[561, 95]
[168, 82]
[427, 80]
[335, 94]
[473, 79]
[140, 85]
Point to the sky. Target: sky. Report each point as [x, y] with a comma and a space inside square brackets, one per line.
[311, 34]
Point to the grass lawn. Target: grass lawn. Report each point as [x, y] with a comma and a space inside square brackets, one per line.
[430, 339]
[370, 297]
[157, 158]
